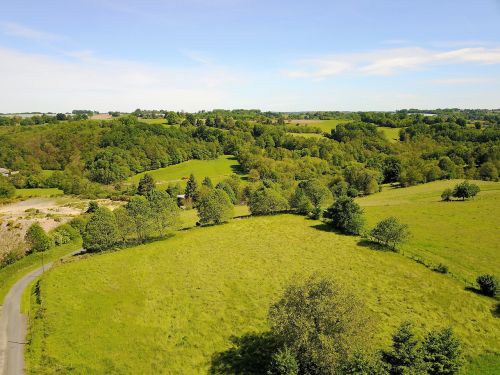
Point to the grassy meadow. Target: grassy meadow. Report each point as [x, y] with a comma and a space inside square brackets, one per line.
[13, 272]
[170, 306]
[462, 235]
[217, 170]
[38, 192]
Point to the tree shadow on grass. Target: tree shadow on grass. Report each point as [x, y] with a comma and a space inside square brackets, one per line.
[326, 228]
[374, 245]
[474, 290]
[495, 311]
[250, 354]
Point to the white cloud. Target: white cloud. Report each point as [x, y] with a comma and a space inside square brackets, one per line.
[391, 61]
[21, 31]
[81, 79]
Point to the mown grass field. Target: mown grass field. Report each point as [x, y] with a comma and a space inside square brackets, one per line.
[168, 307]
[217, 170]
[462, 235]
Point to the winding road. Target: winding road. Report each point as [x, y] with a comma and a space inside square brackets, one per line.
[13, 325]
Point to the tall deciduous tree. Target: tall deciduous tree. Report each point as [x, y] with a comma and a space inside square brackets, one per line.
[215, 207]
[37, 239]
[346, 216]
[101, 231]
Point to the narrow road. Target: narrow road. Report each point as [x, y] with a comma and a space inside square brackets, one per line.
[13, 325]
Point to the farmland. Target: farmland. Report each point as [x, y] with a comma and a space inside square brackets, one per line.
[180, 300]
[217, 170]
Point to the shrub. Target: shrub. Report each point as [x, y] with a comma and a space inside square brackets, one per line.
[284, 363]
[488, 285]
[346, 216]
[37, 239]
[7, 190]
[441, 268]
[390, 232]
[93, 206]
[446, 195]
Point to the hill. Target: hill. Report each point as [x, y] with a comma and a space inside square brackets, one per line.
[170, 306]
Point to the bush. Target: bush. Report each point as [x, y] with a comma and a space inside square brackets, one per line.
[37, 239]
[346, 216]
[93, 206]
[446, 195]
[7, 190]
[488, 285]
[441, 268]
[284, 363]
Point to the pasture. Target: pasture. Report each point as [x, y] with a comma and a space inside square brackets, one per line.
[171, 306]
[217, 170]
[462, 235]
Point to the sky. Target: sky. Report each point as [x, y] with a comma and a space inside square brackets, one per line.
[280, 55]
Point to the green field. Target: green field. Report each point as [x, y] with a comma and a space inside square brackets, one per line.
[13, 272]
[326, 126]
[217, 170]
[38, 192]
[168, 307]
[462, 235]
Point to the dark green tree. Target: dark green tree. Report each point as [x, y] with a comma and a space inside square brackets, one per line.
[229, 191]
[146, 184]
[345, 215]
[191, 191]
[488, 284]
[465, 190]
[92, 207]
[207, 182]
[405, 357]
[442, 352]
[284, 363]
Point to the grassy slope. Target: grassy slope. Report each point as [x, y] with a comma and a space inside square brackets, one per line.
[38, 192]
[326, 126]
[13, 272]
[217, 170]
[168, 307]
[462, 235]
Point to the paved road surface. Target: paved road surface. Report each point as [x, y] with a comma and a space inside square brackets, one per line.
[13, 325]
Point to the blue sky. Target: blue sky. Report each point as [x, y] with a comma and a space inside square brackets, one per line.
[274, 55]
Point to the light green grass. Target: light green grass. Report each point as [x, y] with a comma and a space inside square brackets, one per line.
[167, 307]
[217, 170]
[190, 217]
[13, 272]
[157, 121]
[38, 192]
[462, 235]
[392, 134]
[307, 135]
[326, 126]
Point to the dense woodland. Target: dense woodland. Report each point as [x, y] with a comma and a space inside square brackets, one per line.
[94, 157]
